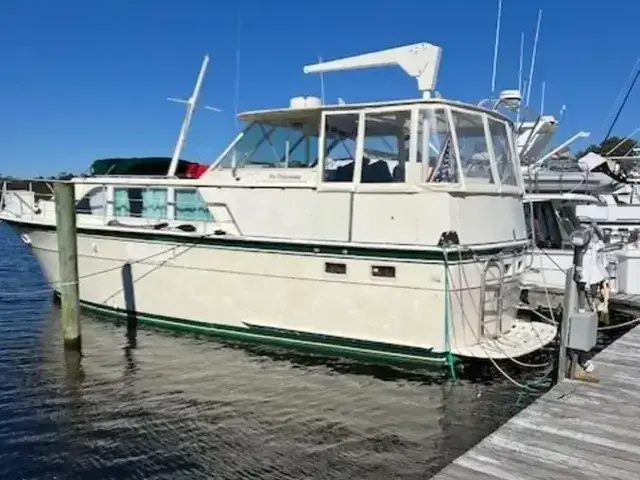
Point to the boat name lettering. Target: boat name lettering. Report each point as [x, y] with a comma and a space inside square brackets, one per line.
[284, 176]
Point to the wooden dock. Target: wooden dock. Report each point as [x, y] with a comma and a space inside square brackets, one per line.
[576, 430]
[626, 303]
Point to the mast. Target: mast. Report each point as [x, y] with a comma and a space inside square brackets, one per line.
[236, 93]
[186, 123]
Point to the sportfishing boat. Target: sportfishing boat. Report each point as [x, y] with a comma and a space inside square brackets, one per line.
[618, 210]
[551, 219]
[390, 230]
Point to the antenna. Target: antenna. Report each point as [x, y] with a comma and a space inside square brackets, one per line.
[611, 109]
[236, 94]
[420, 61]
[321, 82]
[495, 48]
[624, 101]
[525, 83]
[521, 61]
[544, 85]
[533, 57]
[191, 103]
[520, 65]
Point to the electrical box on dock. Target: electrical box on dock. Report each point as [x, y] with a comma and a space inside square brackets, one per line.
[583, 331]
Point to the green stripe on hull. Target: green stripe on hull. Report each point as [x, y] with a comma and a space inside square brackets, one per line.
[375, 352]
[427, 254]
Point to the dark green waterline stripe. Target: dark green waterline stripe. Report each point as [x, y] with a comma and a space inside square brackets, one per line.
[377, 352]
[310, 248]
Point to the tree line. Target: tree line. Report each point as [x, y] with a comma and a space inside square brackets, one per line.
[612, 147]
[59, 176]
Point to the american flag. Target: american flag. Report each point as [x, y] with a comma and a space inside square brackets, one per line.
[444, 172]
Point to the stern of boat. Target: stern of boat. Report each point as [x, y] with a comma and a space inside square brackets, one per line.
[484, 298]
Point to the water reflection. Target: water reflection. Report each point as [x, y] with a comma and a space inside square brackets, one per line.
[228, 412]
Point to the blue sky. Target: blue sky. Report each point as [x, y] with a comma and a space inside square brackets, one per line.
[84, 79]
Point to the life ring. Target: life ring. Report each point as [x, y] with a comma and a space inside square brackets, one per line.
[25, 238]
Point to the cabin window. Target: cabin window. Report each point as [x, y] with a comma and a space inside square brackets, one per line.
[547, 233]
[93, 202]
[282, 145]
[341, 132]
[191, 206]
[504, 161]
[475, 159]
[140, 202]
[121, 203]
[568, 219]
[386, 149]
[154, 203]
[435, 146]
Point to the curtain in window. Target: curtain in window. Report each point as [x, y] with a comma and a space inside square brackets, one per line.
[191, 206]
[121, 203]
[154, 203]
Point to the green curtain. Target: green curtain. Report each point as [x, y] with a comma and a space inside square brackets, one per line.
[191, 206]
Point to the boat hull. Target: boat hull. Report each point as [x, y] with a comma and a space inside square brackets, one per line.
[283, 293]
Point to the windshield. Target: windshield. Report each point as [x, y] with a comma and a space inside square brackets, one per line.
[294, 145]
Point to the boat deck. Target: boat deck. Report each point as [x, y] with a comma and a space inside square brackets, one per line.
[577, 430]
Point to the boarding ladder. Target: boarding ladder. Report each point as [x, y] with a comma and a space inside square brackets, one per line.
[497, 302]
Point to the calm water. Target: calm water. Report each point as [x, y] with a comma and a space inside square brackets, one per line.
[180, 407]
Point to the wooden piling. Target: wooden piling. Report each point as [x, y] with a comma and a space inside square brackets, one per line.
[570, 304]
[68, 264]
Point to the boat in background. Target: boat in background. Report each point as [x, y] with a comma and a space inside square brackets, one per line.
[618, 210]
[391, 230]
[551, 220]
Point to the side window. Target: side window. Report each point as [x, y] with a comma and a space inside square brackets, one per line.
[435, 146]
[385, 147]
[546, 228]
[191, 206]
[472, 144]
[341, 132]
[121, 203]
[154, 203]
[293, 145]
[504, 161]
[93, 202]
[140, 202]
[284, 146]
[528, 207]
[250, 140]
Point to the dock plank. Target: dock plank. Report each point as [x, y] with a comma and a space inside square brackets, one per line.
[577, 430]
